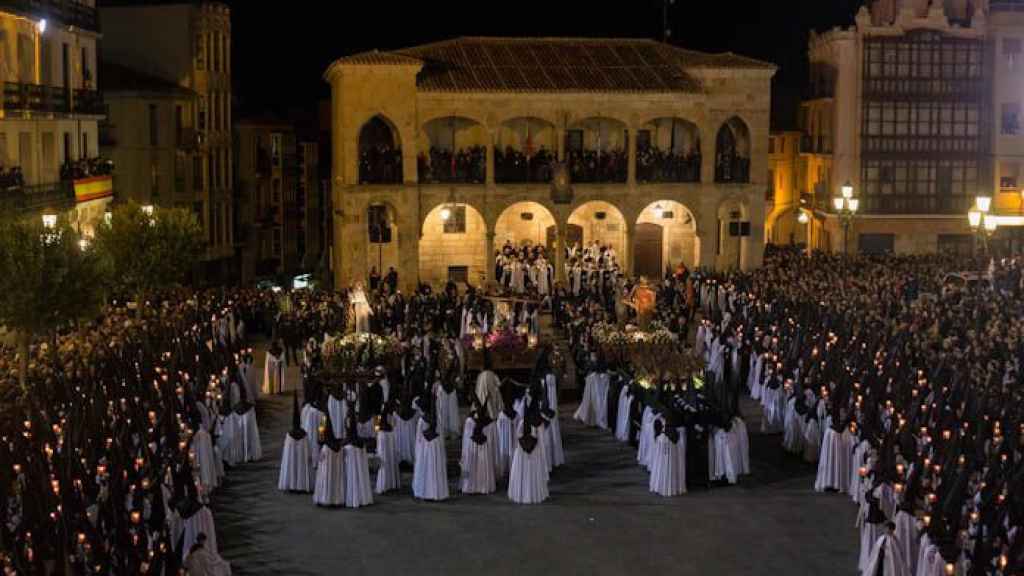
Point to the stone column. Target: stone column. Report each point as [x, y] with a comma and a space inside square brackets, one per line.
[631, 170]
[490, 255]
[629, 264]
[489, 179]
[560, 145]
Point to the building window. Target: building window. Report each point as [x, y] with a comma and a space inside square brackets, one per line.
[458, 274]
[1008, 183]
[154, 128]
[1010, 124]
[200, 51]
[86, 72]
[456, 222]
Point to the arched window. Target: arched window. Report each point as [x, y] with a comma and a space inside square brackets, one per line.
[380, 152]
[732, 152]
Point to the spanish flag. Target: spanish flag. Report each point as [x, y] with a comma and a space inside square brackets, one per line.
[93, 188]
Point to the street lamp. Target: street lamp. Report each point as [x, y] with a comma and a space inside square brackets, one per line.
[49, 221]
[148, 210]
[803, 218]
[846, 209]
[982, 224]
[984, 203]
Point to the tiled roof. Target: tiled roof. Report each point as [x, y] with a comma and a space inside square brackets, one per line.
[476, 64]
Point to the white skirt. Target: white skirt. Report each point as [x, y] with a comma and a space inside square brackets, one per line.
[812, 441]
[250, 437]
[206, 459]
[448, 411]
[793, 432]
[230, 440]
[622, 416]
[405, 437]
[338, 410]
[833, 465]
[722, 456]
[358, 489]
[739, 430]
[388, 475]
[593, 409]
[556, 452]
[643, 455]
[330, 478]
[199, 523]
[296, 475]
[528, 478]
[505, 445]
[477, 466]
[430, 473]
[668, 466]
[774, 402]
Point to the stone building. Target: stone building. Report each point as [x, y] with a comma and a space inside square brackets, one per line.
[917, 106]
[442, 153]
[188, 43]
[50, 112]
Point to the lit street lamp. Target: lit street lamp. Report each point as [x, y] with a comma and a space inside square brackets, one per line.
[846, 209]
[983, 224]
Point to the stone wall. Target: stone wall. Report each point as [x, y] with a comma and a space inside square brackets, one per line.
[440, 250]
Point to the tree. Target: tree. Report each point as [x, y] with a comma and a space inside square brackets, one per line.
[144, 252]
[49, 278]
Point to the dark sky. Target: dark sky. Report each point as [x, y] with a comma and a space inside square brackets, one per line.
[281, 54]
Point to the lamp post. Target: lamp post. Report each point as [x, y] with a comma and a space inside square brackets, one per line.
[805, 220]
[846, 209]
[983, 224]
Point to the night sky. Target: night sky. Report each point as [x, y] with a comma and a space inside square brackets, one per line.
[281, 54]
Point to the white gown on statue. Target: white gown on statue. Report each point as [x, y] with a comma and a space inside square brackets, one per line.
[405, 437]
[505, 445]
[622, 416]
[296, 473]
[476, 462]
[528, 477]
[593, 410]
[430, 472]
[834, 463]
[358, 489]
[388, 474]
[360, 310]
[273, 373]
[252, 450]
[330, 478]
[202, 446]
[668, 465]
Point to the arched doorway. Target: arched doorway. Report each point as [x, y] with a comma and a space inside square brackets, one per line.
[380, 152]
[453, 245]
[524, 224]
[732, 244]
[732, 152]
[603, 223]
[666, 234]
[382, 251]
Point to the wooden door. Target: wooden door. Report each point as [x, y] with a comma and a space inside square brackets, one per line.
[647, 250]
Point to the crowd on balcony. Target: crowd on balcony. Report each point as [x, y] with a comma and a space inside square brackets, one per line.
[467, 165]
[731, 167]
[598, 165]
[380, 164]
[86, 168]
[513, 165]
[657, 165]
[11, 177]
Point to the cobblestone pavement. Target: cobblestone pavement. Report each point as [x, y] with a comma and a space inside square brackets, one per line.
[600, 519]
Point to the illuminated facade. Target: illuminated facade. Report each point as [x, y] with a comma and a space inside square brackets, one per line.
[50, 111]
[916, 106]
[660, 148]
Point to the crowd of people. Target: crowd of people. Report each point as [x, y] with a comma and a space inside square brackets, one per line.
[905, 393]
[524, 269]
[380, 164]
[11, 177]
[86, 168]
[586, 166]
[511, 165]
[124, 429]
[657, 165]
[441, 165]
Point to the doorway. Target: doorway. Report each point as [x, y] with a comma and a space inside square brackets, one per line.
[647, 250]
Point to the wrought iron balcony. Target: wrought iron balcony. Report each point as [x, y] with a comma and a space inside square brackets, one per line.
[656, 165]
[39, 99]
[380, 166]
[69, 12]
[597, 166]
[89, 102]
[467, 165]
[58, 197]
[513, 166]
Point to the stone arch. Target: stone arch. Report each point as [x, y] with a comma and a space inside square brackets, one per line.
[452, 149]
[380, 151]
[596, 149]
[454, 247]
[676, 239]
[732, 151]
[525, 223]
[732, 251]
[668, 150]
[524, 149]
[383, 244]
[784, 227]
[603, 222]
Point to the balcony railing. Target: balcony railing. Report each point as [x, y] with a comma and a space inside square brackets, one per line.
[657, 165]
[380, 166]
[58, 196]
[915, 204]
[732, 168]
[597, 166]
[468, 165]
[69, 12]
[818, 144]
[86, 168]
[514, 166]
[50, 100]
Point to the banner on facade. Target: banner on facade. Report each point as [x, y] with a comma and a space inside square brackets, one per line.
[94, 188]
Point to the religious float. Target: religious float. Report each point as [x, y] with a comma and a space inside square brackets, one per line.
[353, 358]
[507, 347]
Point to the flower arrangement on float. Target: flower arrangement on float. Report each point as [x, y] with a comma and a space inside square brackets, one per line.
[359, 353]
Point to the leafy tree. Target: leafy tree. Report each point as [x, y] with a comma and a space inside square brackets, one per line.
[146, 252]
[49, 278]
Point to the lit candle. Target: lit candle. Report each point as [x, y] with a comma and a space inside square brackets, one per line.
[136, 516]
